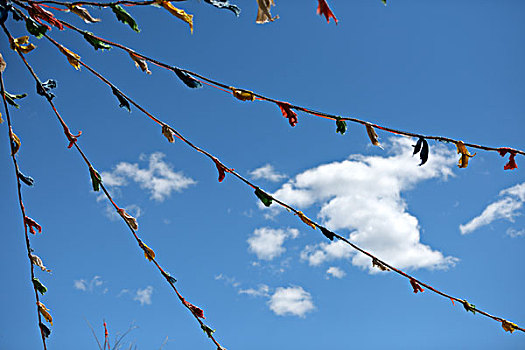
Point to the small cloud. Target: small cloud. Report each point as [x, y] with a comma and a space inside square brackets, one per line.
[267, 243]
[293, 301]
[513, 233]
[261, 291]
[122, 292]
[158, 177]
[267, 172]
[335, 272]
[508, 207]
[90, 286]
[143, 296]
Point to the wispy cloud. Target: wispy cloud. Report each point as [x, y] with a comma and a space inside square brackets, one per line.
[158, 177]
[267, 243]
[335, 272]
[364, 196]
[261, 291]
[267, 172]
[95, 284]
[293, 301]
[506, 208]
[143, 296]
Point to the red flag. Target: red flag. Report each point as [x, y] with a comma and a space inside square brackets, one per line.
[324, 9]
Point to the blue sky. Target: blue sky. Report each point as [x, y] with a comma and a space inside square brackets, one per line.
[264, 279]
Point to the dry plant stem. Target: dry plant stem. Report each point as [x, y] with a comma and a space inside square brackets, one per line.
[254, 186]
[108, 196]
[296, 107]
[22, 209]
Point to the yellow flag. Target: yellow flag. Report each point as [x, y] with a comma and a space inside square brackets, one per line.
[305, 219]
[243, 95]
[44, 311]
[509, 326]
[22, 44]
[181, 14]
[148, 252]
[465, 154]
[71, 57]
[15, 143]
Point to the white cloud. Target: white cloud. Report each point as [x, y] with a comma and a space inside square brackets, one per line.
[291, 301]
[262, 291]
[89, 286]
[505, 208]
[267, 243]
[158, 178]
[335, 272]
[363, 195]
[143, 296]
[267, 172]
[513, 233]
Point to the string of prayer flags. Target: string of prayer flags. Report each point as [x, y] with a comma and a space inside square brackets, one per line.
[305, 219]
[469, 307]
[465, 154]
[221, 169]
[11, 98]
[169, 277]
[415, 286]
[130, 220]
[96, 43]
[45, 312]
[39, 286]
[43, 89]
[265, 198]
[148, 252]
[15, 143]
[421, 146]
[38, 13]
[243, 95]
[140, 62]
[263, 12]
[508, 326]
[35, 28]
[35, 260]
[324, 9]
[28, 180]
[511, 164]
[286, 110]
[340, 125]
[382, 267]
[96, 179]
[124, 17]
[187, 79]
[194, 309]
[179, 13]
[45, 331]
[22, 45]
[123, 102]
[327, 233]
[166, 131]
[372, 135]
[32, 224]
[207, 330]
[225, 4]
[72, 57]
[82, 13]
